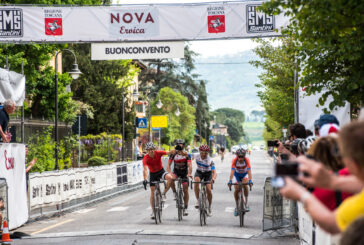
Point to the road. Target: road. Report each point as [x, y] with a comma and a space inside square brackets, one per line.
[126, 219]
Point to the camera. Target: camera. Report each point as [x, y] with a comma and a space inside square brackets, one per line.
[284, 157]
[287, 169]
[273, 143]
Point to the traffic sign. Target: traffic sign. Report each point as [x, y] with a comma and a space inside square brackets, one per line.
[156, 129]
[159, 121]
[211, 137]
[142, 122]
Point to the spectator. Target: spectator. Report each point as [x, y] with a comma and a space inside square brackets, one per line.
[354, 234]
[329, 128]
[2, 207]
[325, 150]
[9, 108]
[296, 131]
[327, 118]
[317, 127]
[351, 145]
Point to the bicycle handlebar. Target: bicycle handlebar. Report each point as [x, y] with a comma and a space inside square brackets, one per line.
[154, 182]
[239, 184]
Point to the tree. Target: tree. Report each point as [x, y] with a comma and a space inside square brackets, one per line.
[102, 86]
[328, 37]
[180, 77]
[277, 85]
[233, 119]
[179, 127]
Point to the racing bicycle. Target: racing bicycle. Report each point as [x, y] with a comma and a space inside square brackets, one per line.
[202, 201]
[158, 201]
[241, 208]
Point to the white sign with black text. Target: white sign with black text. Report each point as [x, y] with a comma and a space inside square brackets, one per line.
[141, 50]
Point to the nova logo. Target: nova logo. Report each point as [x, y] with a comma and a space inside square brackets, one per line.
[11, 23]
[258, 21]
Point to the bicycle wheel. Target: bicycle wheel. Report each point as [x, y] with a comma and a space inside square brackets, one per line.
[205, 208]
[202, 209]
[242, 209]
[179, 206]
[156, 206]
[160, 208]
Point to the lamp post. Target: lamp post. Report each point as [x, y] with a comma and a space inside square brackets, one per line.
[123, 133]
[159, 105]
[75, 73]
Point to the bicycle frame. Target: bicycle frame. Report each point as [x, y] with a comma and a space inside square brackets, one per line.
[241, 207]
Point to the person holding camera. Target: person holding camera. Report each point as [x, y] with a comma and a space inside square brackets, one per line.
[182, 168]
[240, 168]
[9, 108]
[314, 174]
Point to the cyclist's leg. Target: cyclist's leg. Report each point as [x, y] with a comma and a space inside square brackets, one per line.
[152, 190]
[208, 177]
[197, 187]
[185, 189]
[246, 190]
[170, 183]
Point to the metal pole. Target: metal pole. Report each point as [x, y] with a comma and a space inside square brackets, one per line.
[79, 141]
[150, 122]
[22, 111]
[56, 105]
[296, 97]
[123, 140]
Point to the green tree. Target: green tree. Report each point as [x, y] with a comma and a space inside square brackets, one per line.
[328, 37]
[277, 86]
[179, 127]
[102, 86]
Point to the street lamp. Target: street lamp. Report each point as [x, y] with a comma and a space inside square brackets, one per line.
[75, 73]
[177, 111]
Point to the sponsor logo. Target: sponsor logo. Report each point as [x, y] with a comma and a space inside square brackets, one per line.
[134, 23]
[53, 22]
[11, 22]
[9, 162]
[258, 21]
[216, 19]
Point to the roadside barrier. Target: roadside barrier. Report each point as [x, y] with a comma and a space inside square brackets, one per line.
[57, 191]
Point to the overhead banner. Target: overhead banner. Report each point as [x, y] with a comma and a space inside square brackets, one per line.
[12, 86]
[309, 112]
[141, 50]
[12, 168]
[153, 22]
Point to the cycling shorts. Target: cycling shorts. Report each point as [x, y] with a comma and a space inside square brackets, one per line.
[204, 176]
[181, 173]
[157, 176]
[239, 177]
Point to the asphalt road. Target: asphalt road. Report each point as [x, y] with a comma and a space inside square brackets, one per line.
[126, 219]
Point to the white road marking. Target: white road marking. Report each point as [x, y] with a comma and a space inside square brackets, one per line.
[229, 209]
[117, 209]
[83, 211]
[164, 207]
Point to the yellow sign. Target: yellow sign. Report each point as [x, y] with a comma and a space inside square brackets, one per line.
[159, 121]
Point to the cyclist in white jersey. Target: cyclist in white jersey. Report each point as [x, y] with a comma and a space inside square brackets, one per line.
[205, 172]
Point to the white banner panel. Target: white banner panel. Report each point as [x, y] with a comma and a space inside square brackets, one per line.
[50, 188]
[12, 86]
[137, 22]
[12, 168]
[308, 112]
[141, 50]
[135, 172]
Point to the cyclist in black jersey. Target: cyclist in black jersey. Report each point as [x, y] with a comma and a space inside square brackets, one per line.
[182, 168]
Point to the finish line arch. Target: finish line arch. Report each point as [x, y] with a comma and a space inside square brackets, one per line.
[137, 23]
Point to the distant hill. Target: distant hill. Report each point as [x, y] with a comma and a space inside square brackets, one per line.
[230, 81]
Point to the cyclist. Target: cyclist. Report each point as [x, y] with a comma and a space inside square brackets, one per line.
[222, 152]
[240, 168]
[182, 168]
[205, 172]
[153, 161]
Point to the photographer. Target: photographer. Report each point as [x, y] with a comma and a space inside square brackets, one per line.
[351, 145]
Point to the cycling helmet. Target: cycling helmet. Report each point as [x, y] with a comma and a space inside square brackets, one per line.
[150, 146]
[180, 141]
[204, 148]
[240, 152]
[305, 144]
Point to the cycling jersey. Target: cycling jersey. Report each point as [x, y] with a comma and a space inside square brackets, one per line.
[241, 168]
[180, 161]
[204, 165]
[154, 164]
